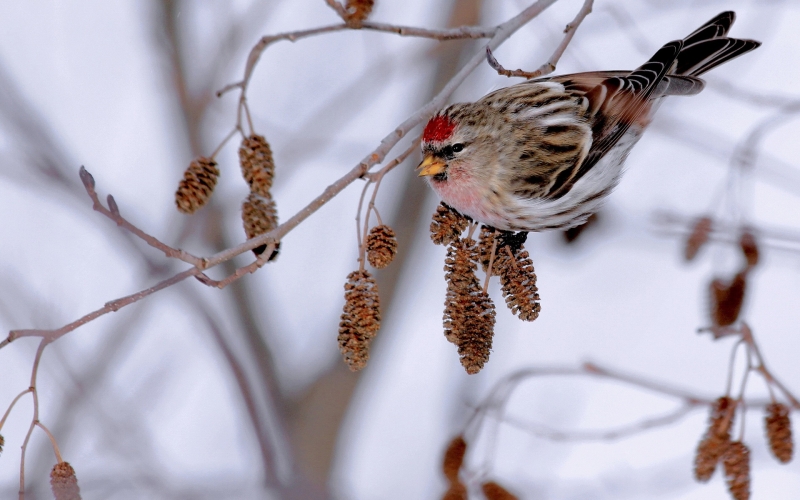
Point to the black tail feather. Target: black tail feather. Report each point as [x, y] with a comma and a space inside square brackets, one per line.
[708, 46]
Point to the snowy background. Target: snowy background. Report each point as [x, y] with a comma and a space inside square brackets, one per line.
[144, 402]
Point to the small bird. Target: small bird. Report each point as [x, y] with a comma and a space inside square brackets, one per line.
[545, 153]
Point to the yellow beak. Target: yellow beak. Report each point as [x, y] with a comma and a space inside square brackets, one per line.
[431, 166]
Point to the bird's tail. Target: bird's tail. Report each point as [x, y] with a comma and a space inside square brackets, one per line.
[708, 47]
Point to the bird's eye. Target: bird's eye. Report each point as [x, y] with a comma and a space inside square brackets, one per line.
[457, 148]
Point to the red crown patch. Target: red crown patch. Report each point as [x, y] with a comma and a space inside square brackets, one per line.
[438, 129]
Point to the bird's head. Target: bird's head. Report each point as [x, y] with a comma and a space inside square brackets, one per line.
[445, 145]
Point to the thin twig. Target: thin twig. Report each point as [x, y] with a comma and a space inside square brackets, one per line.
[115, 305]
[550, 65]
[53, 441]
[113, 213]
[254, 266]
[11, 406]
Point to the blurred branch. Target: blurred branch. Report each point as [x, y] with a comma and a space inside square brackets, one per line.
[550, 65]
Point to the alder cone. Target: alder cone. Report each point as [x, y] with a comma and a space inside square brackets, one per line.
[456, 491]
[358, 10]
[197, 184]
[779, 431]
[727, 299]
[469, 314]
[360, 320]
[518, 282]
[737, 470]
[258, 166]
[64, 483]
[749, 248]
[259, 216]
[381, 246]
[447, 225]
[697, 238]
[454, 458]
[493, 491]
[716, 440]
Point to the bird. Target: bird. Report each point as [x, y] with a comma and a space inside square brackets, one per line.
[545, 153]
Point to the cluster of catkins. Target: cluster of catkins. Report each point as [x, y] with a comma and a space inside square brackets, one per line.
[726, 295]
[361, 317]
[259, 214]
[452, 465]
[716, 445]
[469, 314]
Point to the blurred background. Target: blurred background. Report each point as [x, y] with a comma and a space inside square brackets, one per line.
[241, 393]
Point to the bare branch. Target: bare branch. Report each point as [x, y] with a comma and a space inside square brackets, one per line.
[113, 213]
[550, 65]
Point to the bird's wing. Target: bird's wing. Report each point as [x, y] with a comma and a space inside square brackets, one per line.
[614, 104]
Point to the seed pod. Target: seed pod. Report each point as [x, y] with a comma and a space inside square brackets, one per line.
[518, 281]
[493, 491]
[2, 443]
[447, 225]
[749, 248]
[779, 431]
[64, 482]
[381, 246]
[716, 440]
[358, 10]
[360, 320]
[260, 216]
[457, 491]
[469, 314]
[727, 299]
[454, 458]
[697, 238]
[258, 167]
[197, 184]
[737, 470]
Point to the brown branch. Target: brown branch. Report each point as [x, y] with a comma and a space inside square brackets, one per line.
[460, 33]
[613, 434]
[112, 306]
[112, 212]
[550, 65]
[254, 266]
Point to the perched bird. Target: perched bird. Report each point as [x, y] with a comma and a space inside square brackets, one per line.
[545, 153]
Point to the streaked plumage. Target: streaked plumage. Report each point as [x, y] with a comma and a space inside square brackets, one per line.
[545, 153]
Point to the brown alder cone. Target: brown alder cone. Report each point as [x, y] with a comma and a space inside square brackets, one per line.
[457, 491]
[779, 431]
[2, 443]
[493, 491]
[737, 470]
[716, 440]
[258, 166]
[454, 458]
[518, 281]
[64, 482]
[727, 299]
[486, 240]
[447, 225]
[749, 248]
[381, 246]
[360, 319]
[469, 314]
[259, 216]
[358, 10]
[697, 238]
[197, 184]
